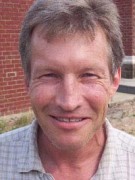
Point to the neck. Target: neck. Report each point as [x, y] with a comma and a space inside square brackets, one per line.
[83, 159]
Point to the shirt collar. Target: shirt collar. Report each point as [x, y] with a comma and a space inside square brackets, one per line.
[29, 160]
[27, 156]
[107, 161]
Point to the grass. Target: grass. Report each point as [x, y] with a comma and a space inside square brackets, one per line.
[13, 124]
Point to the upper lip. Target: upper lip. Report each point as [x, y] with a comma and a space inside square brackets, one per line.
[69, 117]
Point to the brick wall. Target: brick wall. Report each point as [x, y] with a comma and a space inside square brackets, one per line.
[133, 26]
[13, 96]
[125, 10]
[133, 39]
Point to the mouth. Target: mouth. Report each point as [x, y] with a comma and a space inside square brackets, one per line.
[68, 120]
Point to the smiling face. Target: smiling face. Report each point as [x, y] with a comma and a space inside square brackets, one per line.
[70, 87]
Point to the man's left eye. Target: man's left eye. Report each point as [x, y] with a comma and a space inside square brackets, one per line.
[90, 75]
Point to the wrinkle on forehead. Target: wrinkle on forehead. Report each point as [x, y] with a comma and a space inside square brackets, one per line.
[38, 36]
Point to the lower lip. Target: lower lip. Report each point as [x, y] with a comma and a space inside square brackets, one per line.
[69, 125]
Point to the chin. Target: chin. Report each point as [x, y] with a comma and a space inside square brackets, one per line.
[70, 144]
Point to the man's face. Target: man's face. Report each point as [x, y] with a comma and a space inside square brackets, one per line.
[70, 87]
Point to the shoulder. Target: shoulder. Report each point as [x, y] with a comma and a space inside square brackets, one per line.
[16, 148]
[12, 145]
[125, 141]
[118, 159]
[14, 135]
[120, 140]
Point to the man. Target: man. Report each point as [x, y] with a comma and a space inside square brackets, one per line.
[71, 53]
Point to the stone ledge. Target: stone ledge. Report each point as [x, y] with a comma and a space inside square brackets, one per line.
[128, 67]
[127, 86]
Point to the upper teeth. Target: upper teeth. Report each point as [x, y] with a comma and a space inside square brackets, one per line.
[69, 119]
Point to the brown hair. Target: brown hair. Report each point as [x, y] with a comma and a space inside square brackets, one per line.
[61, 17]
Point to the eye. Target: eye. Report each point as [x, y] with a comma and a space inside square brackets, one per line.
[90, 75]
[49, 75]
[49, 78]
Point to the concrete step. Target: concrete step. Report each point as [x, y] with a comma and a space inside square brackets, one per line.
[127, 86]
[121, 98]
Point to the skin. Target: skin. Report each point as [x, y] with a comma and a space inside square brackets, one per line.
[70, 79]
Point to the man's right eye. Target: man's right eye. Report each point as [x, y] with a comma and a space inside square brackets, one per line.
[49, 75]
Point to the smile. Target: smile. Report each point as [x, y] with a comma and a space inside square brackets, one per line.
[69, 119]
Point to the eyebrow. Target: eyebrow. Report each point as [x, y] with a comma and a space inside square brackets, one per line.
[94, 69]
[41, 69]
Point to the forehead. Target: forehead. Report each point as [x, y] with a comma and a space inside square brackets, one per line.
[96, 38]
[69, 52]
[41, 32]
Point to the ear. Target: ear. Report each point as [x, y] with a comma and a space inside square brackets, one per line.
[115, 82]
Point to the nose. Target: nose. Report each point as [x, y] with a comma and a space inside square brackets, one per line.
[69, 96]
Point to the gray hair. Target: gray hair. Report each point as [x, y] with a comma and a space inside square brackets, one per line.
[65, 17]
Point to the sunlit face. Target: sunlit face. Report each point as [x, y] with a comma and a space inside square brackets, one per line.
[70, 87]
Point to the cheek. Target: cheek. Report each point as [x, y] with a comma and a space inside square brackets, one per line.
[40, 96]
[97, 95]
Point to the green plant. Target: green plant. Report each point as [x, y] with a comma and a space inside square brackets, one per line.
[8, 125]
[23, 121]
[2, 126]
